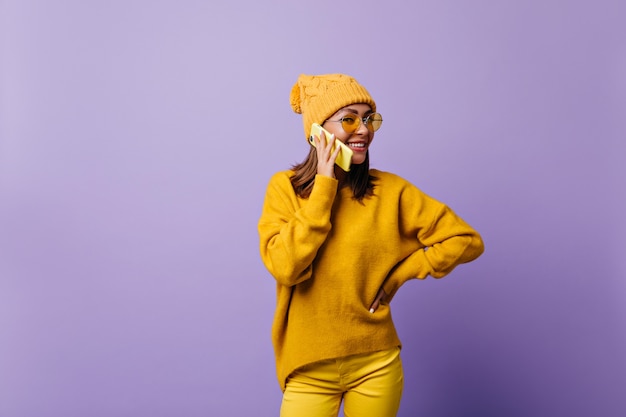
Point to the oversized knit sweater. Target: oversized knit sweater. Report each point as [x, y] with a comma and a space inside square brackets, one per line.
[330, 254]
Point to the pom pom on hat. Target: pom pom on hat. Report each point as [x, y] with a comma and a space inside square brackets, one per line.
[317, 97]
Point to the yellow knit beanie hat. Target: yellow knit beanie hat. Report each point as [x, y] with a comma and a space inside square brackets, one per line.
[317, 97]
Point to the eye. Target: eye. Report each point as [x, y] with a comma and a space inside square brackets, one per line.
[349, 119]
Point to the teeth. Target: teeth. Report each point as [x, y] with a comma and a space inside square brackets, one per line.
[356, 145]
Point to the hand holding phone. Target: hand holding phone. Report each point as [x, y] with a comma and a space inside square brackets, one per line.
[344, 159]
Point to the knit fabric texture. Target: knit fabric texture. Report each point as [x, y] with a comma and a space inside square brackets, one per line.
[330, 255]
[317, 97]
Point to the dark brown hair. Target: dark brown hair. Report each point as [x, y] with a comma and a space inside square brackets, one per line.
[358, 178]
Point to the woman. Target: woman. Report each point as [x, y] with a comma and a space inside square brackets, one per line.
[339, 245]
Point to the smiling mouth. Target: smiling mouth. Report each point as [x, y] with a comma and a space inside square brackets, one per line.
[357, 145]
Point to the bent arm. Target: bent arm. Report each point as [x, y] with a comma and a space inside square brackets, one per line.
[446, 241]
[290, 235]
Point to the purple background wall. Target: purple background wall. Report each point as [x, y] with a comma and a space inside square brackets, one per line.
[136, 140]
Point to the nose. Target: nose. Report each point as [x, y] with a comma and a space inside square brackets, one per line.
[362, 126]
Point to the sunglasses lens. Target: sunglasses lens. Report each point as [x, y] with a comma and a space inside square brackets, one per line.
[350, 123]
[374, 121]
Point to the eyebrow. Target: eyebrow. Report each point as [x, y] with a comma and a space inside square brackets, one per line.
[353, 111]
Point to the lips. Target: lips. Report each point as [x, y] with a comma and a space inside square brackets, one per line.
[357, 146]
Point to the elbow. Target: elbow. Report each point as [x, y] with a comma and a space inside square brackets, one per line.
[286, 268]
[286, 279]
[471, 246]
[478, 246]
[466, 248]
[286, 275]
[473, 249]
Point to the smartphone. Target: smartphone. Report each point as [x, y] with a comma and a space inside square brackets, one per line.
[344, 159]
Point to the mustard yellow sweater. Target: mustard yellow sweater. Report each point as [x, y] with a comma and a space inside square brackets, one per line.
[330, 254]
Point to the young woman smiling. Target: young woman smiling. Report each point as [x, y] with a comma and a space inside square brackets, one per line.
[339, 245]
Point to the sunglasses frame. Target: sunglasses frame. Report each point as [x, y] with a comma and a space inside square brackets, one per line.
[362, 120]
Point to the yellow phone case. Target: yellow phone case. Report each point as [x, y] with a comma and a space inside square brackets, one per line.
[344, 159]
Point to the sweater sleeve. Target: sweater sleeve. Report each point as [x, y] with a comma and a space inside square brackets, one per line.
[290, 235]
[444, 241]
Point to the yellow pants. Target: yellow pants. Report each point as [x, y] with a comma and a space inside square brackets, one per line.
[369, 384]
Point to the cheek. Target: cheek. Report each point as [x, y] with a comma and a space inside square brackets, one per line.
[336, 129]
[339, 134]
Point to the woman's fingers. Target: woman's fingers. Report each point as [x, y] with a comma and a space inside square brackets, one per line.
[325, 155]
[380, 297]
